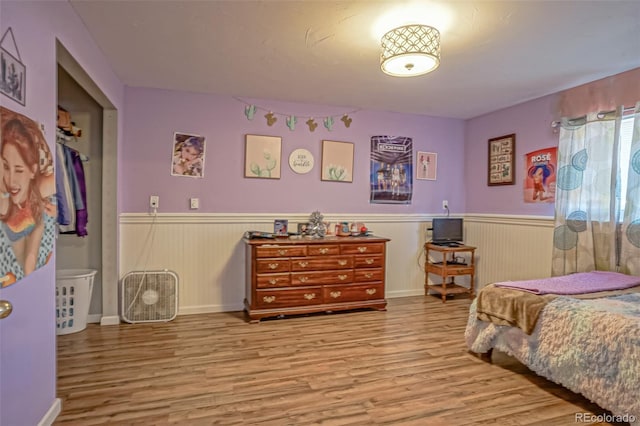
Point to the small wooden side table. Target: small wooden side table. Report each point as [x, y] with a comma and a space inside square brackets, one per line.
[449, 268]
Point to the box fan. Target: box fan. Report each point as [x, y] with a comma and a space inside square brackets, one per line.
[149, 296]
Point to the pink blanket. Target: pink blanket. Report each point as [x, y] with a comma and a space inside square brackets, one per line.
[581, 282]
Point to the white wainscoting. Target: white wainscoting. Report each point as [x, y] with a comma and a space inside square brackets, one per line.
[207, 252]
[510, 247]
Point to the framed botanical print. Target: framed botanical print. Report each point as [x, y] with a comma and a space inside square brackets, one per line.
[262, 157]
[337, 161]
[501, 160]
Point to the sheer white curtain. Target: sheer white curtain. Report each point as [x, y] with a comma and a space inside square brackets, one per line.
[588, 234]
[630, 230]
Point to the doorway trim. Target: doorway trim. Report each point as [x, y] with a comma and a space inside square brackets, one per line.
[109, 184]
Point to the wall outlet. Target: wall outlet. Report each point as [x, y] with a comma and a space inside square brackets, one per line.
[154, 201]
[445, 205]
[194, 203]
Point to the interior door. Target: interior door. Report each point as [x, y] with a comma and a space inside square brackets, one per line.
[27, 349]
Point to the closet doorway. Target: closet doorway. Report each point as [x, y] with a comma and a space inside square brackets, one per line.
[95, 117]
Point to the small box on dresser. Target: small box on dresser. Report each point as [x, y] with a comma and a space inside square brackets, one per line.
[302, 275]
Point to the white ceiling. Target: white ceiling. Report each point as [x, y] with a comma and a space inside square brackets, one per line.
[495, 54]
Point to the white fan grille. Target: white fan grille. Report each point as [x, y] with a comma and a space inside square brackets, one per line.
[150, 296]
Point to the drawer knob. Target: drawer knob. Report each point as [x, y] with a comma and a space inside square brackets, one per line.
[323, 250]
[342, 262]
[335, 294]
[303, 264]
[273, 281]
[362, 249]
[369, 261]
[342, 277]
[304, 279]
[269, 299]
[273, 266]
[368, 275]
[282, 252]
[309, 296]
[371, 291]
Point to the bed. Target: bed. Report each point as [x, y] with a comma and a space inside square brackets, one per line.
[581, 331]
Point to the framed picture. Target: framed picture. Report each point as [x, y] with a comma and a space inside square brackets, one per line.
[13, 77]
[281, 227]
[426, 165]
[262, 156]
[188, 155]
[501, 160]
[337, 161]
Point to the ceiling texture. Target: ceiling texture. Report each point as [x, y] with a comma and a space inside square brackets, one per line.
[495, 54]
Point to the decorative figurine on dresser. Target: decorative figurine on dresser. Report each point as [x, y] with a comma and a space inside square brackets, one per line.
[299, 275]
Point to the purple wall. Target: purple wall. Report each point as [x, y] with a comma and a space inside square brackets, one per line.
[531, 122]
[28, 336]
[152, 117]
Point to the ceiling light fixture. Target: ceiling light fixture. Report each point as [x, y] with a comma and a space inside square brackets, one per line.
[410, 50]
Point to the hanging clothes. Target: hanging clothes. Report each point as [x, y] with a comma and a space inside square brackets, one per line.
[71, 193]
[66, 211]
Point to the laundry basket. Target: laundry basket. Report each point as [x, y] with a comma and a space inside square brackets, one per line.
[73, 296]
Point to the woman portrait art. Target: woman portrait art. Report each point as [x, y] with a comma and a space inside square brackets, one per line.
[188, 155]
[27, 198]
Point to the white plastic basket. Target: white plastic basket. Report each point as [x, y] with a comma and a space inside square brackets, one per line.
[73, 296]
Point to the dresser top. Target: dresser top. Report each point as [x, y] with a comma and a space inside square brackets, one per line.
[306, 240]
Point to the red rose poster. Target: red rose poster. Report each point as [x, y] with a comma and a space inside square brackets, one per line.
[540, 181]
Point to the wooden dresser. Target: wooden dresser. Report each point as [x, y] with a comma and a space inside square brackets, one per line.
[292, 275]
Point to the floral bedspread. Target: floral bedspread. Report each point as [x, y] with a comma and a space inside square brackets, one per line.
[591, 347]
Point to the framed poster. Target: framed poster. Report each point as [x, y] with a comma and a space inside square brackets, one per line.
[426, 165]
[262, 157]
[13, 77]
[501, 160]
[337, 161]
[188, 155]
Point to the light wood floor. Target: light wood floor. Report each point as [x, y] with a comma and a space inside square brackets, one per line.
[408, 365]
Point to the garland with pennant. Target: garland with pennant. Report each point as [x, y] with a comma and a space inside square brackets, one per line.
[291, 120]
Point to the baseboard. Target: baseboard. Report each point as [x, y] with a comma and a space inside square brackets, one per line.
[52, 413]
[404, 293]
[111, 320]
[94, 318]
[207, 309]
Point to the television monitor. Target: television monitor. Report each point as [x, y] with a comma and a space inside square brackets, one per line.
[446, 230]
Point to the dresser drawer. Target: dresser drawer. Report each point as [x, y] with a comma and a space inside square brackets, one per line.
[280, 251]
[272, 265]
[321, 263]
[369, 261]
[322, 277]
[273, 280]
[288, 298]
[350, 293]
[323, 250]
[362, 248]
[366, 275]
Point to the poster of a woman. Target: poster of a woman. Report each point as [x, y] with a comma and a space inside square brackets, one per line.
[540, 182]
[27, 198]
[188, 155]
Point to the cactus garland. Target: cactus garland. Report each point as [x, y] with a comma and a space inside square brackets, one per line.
[291, 120]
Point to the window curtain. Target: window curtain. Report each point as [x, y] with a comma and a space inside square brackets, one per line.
[590, 232]
[630, 230]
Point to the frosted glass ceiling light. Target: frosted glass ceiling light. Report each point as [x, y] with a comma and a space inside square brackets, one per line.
[410, 50]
